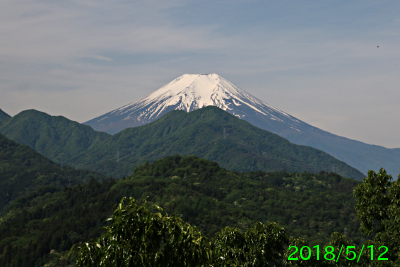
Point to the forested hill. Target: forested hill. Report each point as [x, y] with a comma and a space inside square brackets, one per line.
[4, 117]
[55, 137]
[22, 170]
[204, 194]
[213, 134]
[209, 132]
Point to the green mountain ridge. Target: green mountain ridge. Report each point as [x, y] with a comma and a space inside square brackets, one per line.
[209, 132]
[23, 170]
[4, 117]
[56, 137]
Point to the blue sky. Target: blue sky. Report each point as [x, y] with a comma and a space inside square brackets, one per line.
[316, 60]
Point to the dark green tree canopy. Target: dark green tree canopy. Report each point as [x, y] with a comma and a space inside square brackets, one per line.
[142, 236]
[378, 209]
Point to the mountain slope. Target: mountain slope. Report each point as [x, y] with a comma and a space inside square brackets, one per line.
[56, 137]
[22, 170]
[206, 195]
[4, 117]
[215, 135]
[192, 91]
[209, 132]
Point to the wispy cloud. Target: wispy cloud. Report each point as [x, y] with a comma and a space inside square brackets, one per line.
[316, 61]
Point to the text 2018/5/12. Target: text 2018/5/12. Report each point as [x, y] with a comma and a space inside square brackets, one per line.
[305, 253]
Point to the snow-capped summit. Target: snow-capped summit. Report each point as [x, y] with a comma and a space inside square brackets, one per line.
[189, 92]
[193, 91]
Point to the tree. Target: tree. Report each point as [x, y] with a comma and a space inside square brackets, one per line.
[378, 209]
[262, 245]
[138, 236]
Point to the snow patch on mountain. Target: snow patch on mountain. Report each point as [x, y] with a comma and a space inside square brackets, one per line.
[190, 92]
[193, 91]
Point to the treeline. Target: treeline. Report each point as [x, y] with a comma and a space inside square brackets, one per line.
[41, 226]
[139, 235]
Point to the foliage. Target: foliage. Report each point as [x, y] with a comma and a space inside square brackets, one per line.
[136, 235]
[205, 195]
[378, 209]
[52, 220]
[260, 246]
[55, 137]
[209, 132]
[139, 237]
[23, 170]
[306, 204]
[41, 226]
[4, 117]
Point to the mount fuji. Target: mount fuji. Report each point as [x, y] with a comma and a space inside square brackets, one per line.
[193, 91]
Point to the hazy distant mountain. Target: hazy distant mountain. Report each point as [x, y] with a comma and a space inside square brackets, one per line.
[4, 117]
[210, 133]
[193, 91]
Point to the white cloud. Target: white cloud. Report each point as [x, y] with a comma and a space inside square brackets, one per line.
[84, 58]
